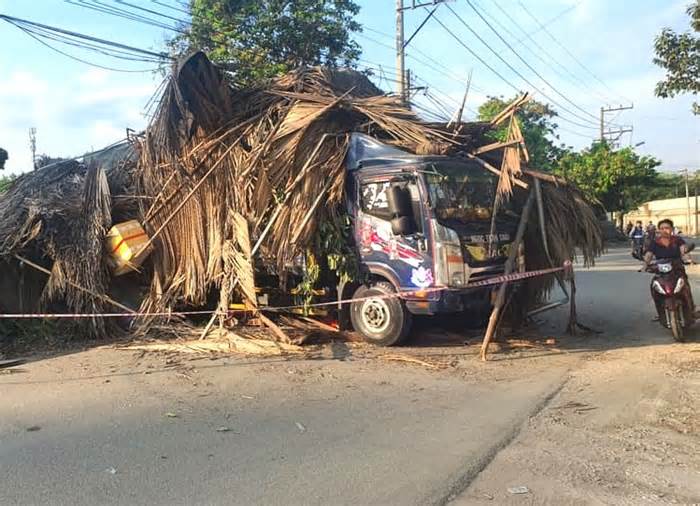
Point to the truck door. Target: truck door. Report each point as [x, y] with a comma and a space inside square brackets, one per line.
[403, 260]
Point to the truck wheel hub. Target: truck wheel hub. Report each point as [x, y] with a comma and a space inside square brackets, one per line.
[375, 315]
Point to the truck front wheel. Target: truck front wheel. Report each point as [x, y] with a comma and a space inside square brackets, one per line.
[380, 316]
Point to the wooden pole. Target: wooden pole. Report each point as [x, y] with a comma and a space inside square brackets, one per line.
[74, 285]
[695, 184]
[687, 204]
[522, 184]
[500, 297]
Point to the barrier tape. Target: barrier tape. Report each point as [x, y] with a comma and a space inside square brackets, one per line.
[102, 315]
[421, 292]
[497, 280]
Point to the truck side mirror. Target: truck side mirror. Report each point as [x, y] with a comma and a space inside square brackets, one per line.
[399, 202]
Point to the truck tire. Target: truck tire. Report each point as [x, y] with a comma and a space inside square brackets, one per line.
[383, 320]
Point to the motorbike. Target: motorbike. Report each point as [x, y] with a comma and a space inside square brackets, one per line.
[671, 293]
[638, 247]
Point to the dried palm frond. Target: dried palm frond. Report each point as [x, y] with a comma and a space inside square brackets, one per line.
[220, 169]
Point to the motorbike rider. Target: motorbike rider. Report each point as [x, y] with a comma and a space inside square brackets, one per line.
[651, 231]
[667, 246]
[637, 235]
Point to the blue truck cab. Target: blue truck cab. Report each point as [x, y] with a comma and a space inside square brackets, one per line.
[424, 229]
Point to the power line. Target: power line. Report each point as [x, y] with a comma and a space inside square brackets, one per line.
[527, 64]
[552, 20]
[168, 6]
[476, 55]
[567, 75]
[156, 13]
[39, 32]
[434, 64]
[69, 33]
[101, 7]
[115, 53]
[508, 65]
[556, 41]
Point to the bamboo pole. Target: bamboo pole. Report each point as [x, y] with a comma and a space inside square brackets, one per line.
[193, 191]
[491, 168]
[74, 285]
[500, 297]
[264, 233]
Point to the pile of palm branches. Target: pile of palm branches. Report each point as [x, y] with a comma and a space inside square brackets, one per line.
[271, 158]
[59, 216]
[229, 181]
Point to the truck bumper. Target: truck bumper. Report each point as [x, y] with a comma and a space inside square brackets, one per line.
[453, 301]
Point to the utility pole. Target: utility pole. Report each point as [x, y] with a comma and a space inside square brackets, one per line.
[687, 204]
[400, 54]
[32, 145]
[620, 131]
[402, 87]
[695, 184]
[457, 117]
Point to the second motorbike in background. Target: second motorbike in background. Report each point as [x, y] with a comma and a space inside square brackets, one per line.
[637, 235]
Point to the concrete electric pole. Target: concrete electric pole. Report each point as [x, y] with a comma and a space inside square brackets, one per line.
[32, 145]
[687, 204]
[695, 187]
[402, 87]
[400, 55]
[607, 135]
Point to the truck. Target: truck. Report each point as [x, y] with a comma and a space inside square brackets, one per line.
[423, 230]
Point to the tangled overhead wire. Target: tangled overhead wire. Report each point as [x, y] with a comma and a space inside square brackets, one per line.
[45, 34]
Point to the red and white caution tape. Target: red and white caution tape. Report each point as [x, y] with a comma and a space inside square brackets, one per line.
[419, 293]
[101, 315]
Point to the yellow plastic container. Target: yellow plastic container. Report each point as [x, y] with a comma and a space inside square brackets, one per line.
[128, 246]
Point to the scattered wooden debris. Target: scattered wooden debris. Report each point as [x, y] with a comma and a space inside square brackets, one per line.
[413, 360]
[221, 342]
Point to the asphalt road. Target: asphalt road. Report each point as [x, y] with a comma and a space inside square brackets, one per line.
[111, 427]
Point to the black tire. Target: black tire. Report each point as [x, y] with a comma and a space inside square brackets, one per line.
[676, 327]
[383, 321]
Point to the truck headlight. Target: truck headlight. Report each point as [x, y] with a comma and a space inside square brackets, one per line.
[449, 262]
[449, 265]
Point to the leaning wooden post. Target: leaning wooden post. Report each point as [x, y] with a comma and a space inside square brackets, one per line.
[510, 262]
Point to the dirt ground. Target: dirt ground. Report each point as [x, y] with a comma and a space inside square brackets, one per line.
[625, 429]
[615, 418]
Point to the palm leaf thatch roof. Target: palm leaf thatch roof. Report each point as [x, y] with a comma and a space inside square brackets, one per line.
[216, 159]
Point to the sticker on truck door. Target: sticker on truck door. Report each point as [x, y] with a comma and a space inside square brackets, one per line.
[376, 236]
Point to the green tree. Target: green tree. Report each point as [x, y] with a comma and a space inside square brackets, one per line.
[5, 182]
[620, 179]
[258, 39]
[536, 121]
[679, 54]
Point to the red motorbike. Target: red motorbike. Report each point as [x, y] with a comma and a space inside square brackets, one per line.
[671, 293]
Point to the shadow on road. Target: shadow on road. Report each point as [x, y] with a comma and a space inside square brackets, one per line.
[613, 297]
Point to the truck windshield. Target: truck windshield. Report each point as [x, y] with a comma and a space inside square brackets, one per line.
[462, 192]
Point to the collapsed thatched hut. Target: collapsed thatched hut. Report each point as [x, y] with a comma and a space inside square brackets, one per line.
[221, 169]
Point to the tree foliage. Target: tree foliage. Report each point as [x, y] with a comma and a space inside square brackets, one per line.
[536, 123]
[258, 39]
[621, 180]
[43, 160]
[679, 54]
[5, 182]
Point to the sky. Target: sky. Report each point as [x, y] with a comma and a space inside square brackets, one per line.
[592, 53]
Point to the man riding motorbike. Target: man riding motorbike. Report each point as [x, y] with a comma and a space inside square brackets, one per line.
[637, 236]
[668, 247]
